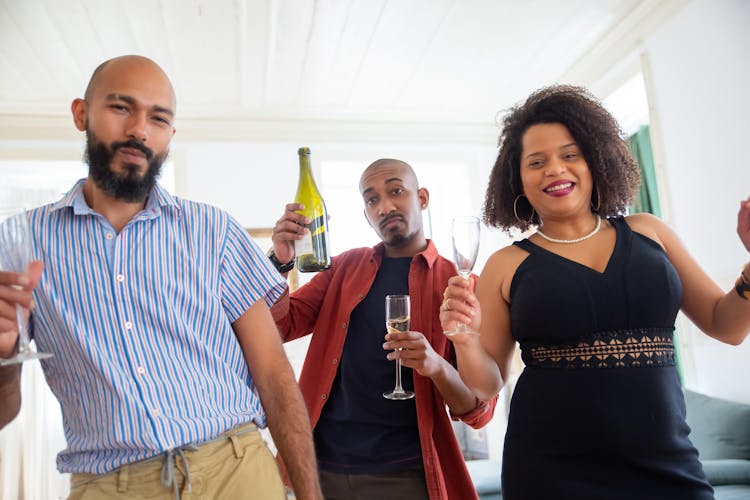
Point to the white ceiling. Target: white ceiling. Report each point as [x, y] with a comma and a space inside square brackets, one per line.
[348, 61]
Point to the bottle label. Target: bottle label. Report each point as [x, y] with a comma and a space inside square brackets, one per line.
[317, 226]
[303, 246]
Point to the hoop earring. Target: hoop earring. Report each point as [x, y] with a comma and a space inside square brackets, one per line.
[515, 211]
[596, 208]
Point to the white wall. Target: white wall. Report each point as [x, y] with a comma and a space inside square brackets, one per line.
[253, 181]
[702, 98]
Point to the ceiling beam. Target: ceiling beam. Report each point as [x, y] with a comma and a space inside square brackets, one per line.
[42, 128]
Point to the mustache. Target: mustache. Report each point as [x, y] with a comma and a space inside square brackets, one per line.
[132, 143]
[390, 218]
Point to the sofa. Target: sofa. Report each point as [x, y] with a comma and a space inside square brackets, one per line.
[485, 474]
[720, 430]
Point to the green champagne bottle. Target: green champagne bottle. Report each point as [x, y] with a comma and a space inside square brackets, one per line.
[313, 251]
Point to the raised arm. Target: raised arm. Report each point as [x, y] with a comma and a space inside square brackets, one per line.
[288, 419]
[724, 316]
[15, 289]
[295, 317]
[483, 360]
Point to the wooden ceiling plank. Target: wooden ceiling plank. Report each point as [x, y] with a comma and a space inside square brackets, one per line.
[324, 41]
[370, 60]
[44, 53]
[149, 32]
[106, 21]
[254, 16]
[402, 36]
[290, 34]
[204, 35]
[360, 25]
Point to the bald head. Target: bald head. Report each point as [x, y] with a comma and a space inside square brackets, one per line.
[115, 67]
[403, 169]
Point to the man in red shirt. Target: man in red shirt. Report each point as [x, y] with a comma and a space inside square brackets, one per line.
[367, 446]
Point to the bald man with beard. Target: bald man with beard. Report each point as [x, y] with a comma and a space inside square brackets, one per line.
[156, 309]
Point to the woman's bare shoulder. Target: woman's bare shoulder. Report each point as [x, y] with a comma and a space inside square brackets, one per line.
[509, 256]
[648, 225]
[501, 267]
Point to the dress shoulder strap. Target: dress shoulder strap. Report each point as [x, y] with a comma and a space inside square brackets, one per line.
[620, 224]
[525, 244]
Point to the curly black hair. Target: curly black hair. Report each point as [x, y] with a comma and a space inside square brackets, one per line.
[614, 171]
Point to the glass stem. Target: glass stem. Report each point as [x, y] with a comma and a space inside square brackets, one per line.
[23, 332]
[461, 327]
[398, 377]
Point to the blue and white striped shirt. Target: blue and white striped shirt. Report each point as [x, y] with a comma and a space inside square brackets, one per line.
[145, 357]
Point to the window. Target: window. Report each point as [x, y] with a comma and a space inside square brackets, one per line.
[450, 195]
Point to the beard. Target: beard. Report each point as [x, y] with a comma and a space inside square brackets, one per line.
[397, 239]
[129, 186]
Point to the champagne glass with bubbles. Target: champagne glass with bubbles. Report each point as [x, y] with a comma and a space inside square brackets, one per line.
[465, 236]
[397, 315]
[15, 256]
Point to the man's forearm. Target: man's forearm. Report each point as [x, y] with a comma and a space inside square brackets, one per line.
[289, 424]
[10, 393]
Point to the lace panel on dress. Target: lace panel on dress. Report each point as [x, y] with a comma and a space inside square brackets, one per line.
[628, 348]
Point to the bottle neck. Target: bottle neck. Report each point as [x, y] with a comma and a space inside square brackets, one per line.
[305, 170]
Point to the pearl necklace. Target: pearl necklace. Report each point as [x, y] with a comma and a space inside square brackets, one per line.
[576, 240]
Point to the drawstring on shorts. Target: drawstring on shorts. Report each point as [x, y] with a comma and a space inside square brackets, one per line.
[167, 470]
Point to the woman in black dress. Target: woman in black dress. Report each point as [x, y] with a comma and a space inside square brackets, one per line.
[591, 296]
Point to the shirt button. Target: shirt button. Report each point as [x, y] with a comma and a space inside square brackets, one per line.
[156, 412]
[120, 278]
[323, 396]
[128, 325]
[343, 325]
[109, 236]
[335, 361]
[360, 295]
[141, 370]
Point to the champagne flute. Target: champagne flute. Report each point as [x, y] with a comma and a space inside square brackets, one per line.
[465, 235]
[397, 313]
[15, 256]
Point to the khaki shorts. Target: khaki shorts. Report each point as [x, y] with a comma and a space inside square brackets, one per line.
[237, 465]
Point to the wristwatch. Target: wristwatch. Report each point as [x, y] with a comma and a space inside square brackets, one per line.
[282, 268]
[742, 287]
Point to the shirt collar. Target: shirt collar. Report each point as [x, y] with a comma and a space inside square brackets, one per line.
[158, 198]
[429, 254]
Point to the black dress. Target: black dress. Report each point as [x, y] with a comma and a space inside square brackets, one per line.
[598, 412]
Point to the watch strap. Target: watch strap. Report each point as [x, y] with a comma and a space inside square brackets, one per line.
[282, 268]
[742, 288]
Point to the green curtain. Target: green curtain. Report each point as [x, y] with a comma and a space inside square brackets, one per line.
[647, 198]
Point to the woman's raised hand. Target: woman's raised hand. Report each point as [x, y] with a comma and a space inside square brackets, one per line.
[460, 305]
[743, 223]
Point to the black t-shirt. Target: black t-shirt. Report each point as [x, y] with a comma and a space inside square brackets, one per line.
[360, 431]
